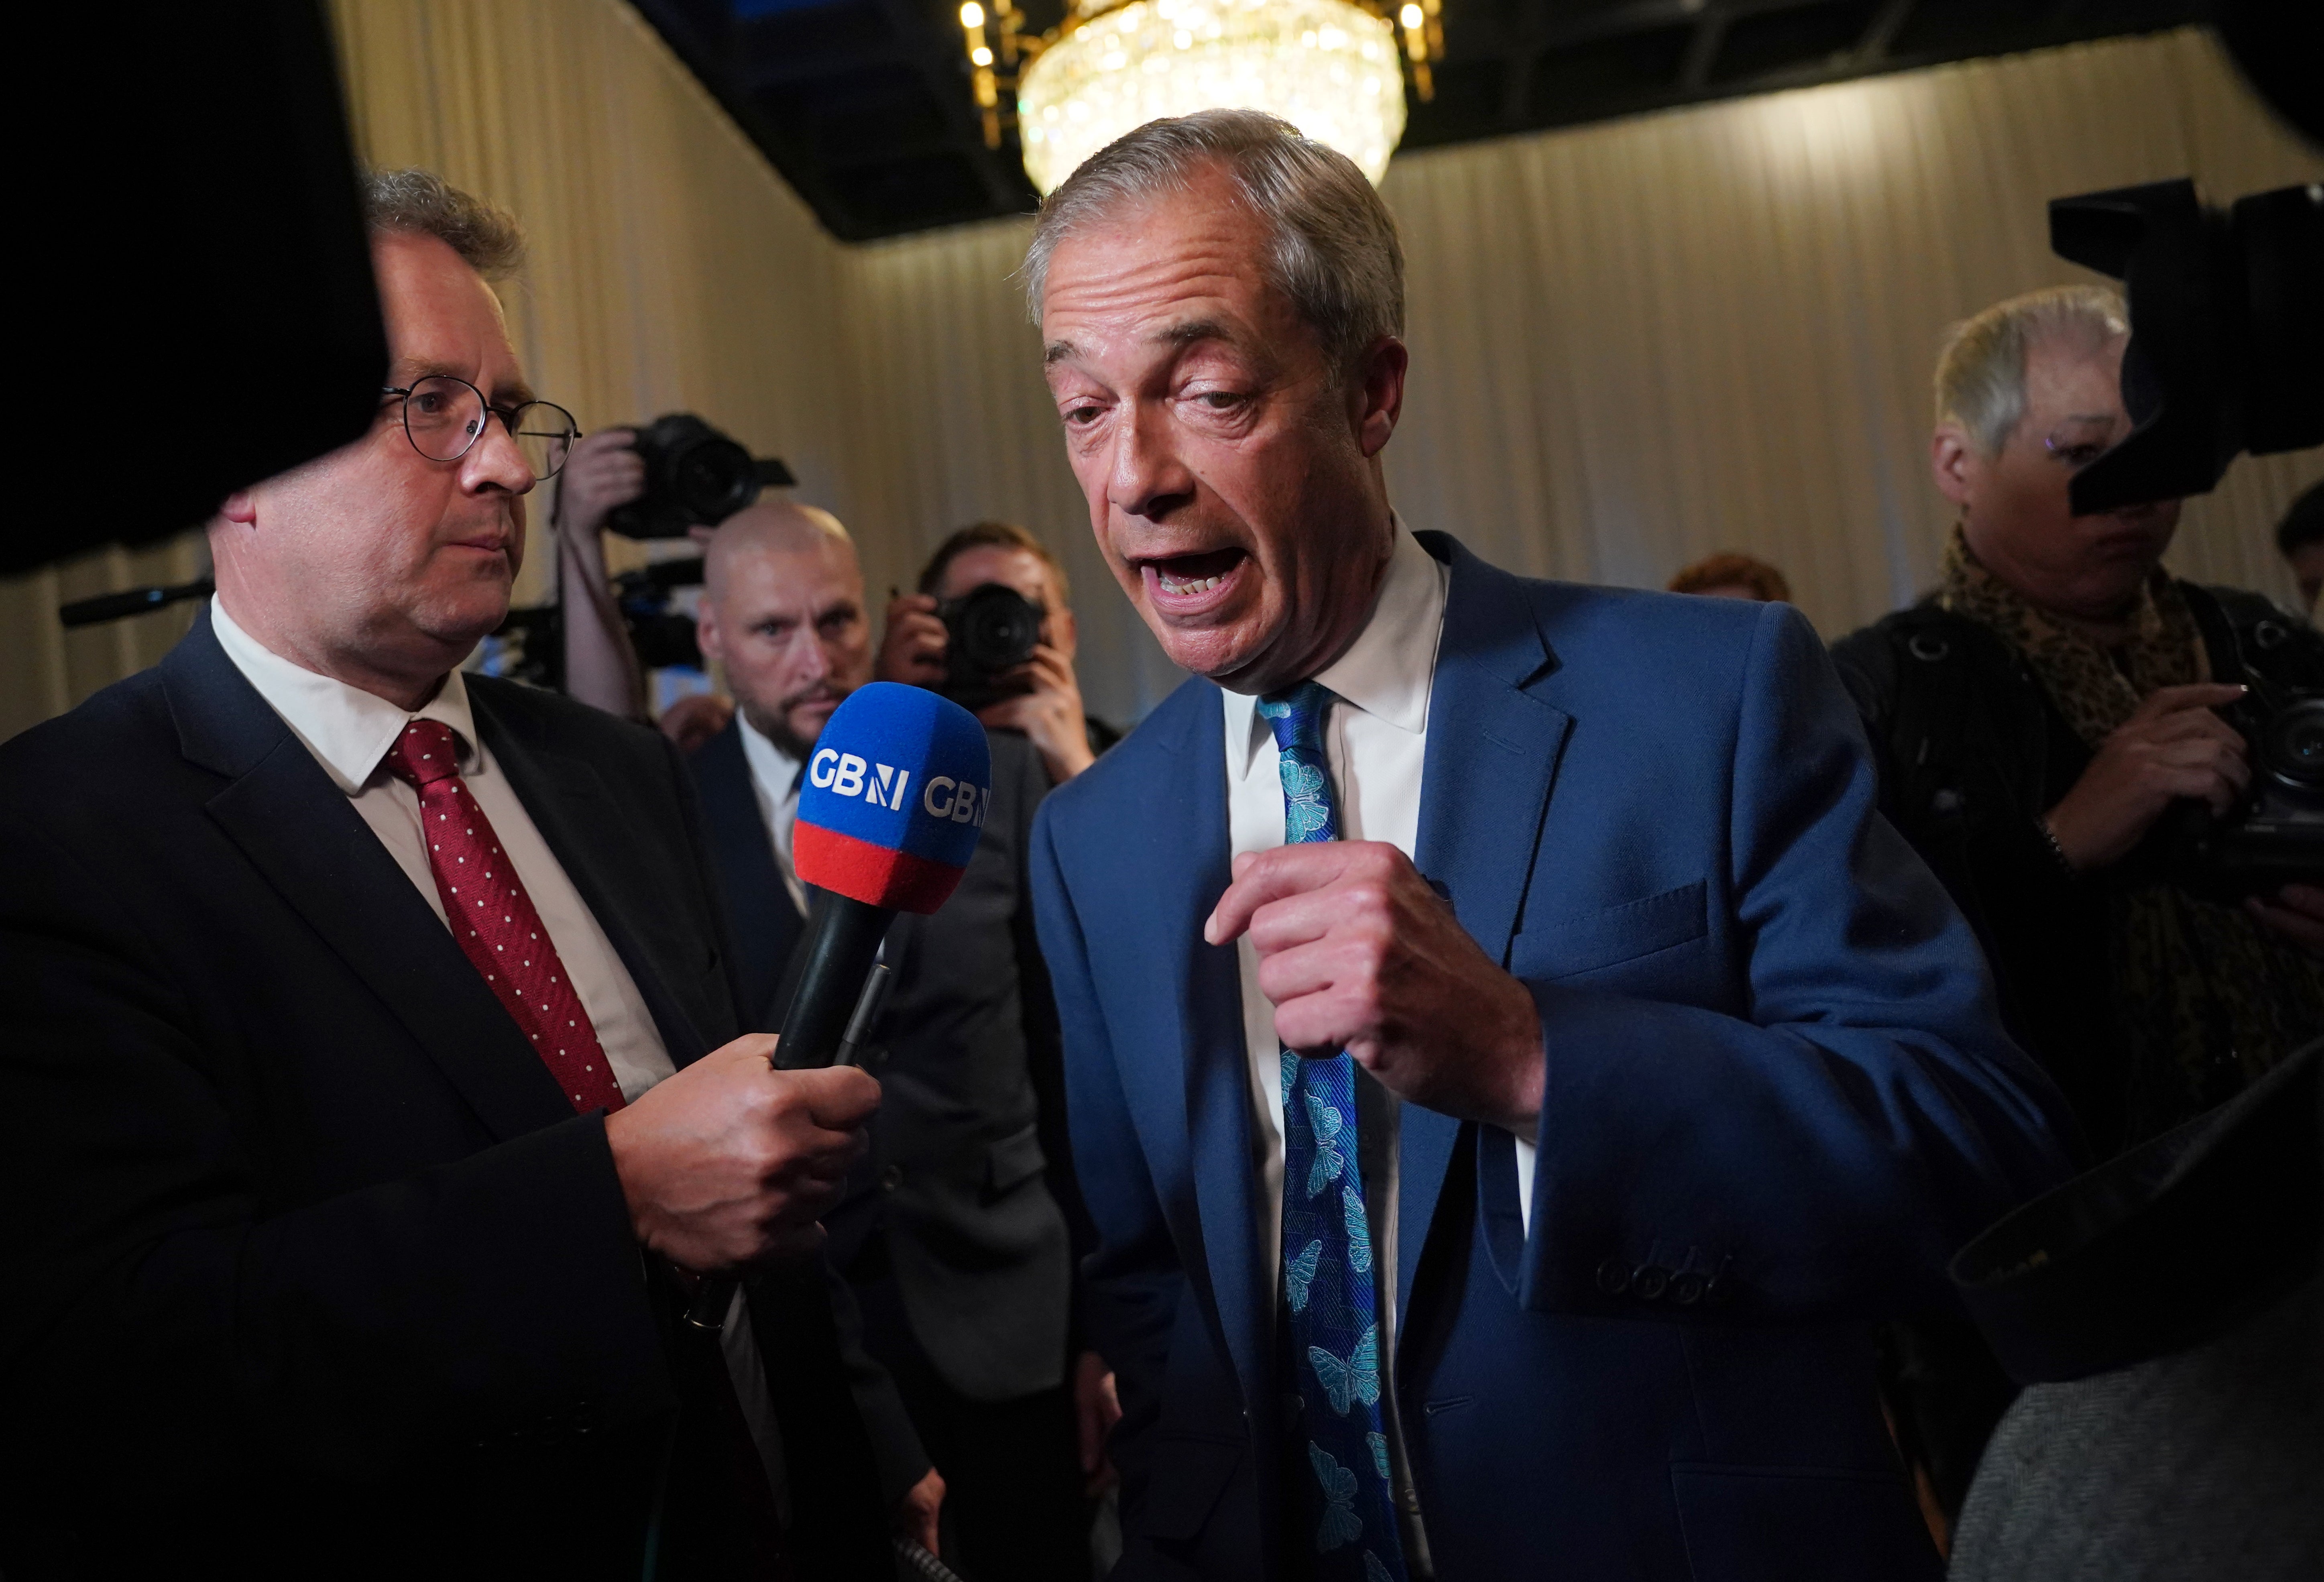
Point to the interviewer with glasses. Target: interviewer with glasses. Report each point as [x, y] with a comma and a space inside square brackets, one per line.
[369, 1035]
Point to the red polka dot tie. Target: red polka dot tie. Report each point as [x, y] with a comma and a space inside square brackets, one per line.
[494, 919]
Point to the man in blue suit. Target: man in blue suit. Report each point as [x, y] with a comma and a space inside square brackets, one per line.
[1510, 1063]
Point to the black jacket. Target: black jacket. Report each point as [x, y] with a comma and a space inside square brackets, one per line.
[1971, 754]
[308, 1266]
[969, 1180]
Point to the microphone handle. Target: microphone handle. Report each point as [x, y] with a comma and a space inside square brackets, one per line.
[843, 945]
[843, 952]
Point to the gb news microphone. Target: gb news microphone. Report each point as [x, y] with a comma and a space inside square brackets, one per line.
[894, 797]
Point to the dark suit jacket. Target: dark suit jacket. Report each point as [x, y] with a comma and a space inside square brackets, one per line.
[958, 1179]
[1777, 1098]
[310, 1266]
[1972, 752]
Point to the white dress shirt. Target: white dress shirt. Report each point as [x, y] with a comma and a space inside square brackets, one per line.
[775, 785]
[349, 731]
[1377, 739]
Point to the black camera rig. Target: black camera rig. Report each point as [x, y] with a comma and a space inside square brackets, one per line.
[695, 477]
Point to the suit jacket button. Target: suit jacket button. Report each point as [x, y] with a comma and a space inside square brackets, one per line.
[1650, 1281]
[1613, 1277]
[891, 1178]
[1686, 1288]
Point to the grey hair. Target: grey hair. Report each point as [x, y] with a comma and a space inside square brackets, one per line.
[1981, 369]
[1334, 248]
[422, 203]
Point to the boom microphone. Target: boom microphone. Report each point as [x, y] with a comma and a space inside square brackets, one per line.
[894, 797]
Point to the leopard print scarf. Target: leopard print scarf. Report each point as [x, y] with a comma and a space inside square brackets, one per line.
[2208, 999]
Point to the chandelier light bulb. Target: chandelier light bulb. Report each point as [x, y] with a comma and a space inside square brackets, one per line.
[1330, 67]
[971, 14]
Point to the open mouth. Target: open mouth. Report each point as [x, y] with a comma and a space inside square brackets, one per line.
[1185, 580]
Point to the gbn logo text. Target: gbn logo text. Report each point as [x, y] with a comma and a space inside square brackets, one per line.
[846, 774]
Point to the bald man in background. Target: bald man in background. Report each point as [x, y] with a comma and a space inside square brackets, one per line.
[954, 1231]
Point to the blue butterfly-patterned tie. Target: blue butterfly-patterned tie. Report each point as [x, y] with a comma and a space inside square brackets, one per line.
[1327, 1240]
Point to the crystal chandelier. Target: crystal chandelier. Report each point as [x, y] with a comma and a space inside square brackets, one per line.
[1334, 69]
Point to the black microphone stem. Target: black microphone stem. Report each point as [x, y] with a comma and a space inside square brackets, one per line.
[840, 948]
[838, 996]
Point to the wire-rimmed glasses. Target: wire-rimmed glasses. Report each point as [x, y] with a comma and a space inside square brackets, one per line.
[444, 417]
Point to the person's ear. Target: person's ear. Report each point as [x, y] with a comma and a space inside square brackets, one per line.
[241, 508]
[1376, 398]
[707, 634]
[1065, 635]
[1952, 462]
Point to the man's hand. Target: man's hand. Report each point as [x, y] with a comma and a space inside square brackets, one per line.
[913, 651]
[2174, 746]
[1097, 1409]
[916, 1514]
[2296, 913]
[1051, 715]
[730, 1162]
[604, 473]
[695, 718]
[1358, 953]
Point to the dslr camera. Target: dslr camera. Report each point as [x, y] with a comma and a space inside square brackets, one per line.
[2275, 836]
[988, 631]
[694, 476]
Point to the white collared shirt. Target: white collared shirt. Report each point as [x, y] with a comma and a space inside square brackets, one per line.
[1377, 739]
[349, 731]
[775, 786]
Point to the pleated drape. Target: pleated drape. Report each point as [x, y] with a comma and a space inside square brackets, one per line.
[1633, 343]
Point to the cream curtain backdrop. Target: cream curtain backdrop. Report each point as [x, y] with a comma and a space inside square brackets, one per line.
[1632, 343]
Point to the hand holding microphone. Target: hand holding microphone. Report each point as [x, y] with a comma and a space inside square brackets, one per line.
[893, 800]
[724, 1166]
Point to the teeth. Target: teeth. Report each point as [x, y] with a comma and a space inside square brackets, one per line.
[1178, 586]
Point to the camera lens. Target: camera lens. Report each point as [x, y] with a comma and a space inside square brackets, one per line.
[2295, 742]
[997, 630]
[712, 478]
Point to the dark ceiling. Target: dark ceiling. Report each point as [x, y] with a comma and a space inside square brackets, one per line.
[865, 105]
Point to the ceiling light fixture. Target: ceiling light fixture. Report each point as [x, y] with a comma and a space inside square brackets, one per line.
[1332, 68]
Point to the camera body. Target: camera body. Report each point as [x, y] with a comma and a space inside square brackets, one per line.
[988, 631]
[694, 476]
[2274, 834]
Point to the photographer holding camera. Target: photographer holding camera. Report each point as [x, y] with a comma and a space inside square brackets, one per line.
[1012, 662]
[2048, 724]
[676, 478]
[2045, 719]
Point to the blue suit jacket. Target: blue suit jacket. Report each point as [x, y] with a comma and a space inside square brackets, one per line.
[1778, 1097]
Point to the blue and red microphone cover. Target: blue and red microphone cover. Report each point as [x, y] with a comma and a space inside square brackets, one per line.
[894, 797]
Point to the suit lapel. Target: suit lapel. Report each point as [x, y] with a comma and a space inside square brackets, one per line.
[1187, 870]
[302, 833]
[758, 902]
[1493, 749]
[581, 824]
